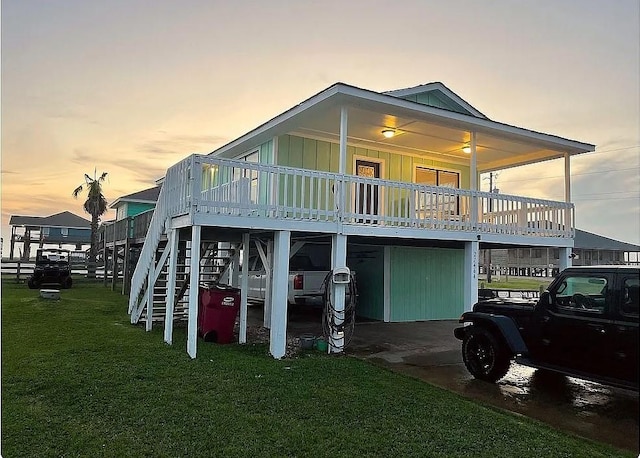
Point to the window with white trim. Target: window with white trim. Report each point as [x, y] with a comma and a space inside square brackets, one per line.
[442, 202]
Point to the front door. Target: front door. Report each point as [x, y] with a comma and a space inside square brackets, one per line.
[367, 195]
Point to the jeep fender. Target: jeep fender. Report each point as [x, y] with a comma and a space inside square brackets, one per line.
[502, 325]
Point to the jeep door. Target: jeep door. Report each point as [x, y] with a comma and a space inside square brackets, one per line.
[574, 327]
[624, 329]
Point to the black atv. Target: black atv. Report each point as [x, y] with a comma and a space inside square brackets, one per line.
[52, 268]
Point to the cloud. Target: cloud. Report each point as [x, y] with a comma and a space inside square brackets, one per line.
[80, 156]
[184, 145]
[143, 170]
[202, 139]
[9, 172]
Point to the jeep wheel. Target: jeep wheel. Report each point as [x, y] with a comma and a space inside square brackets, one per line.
[32, 284]
[484, 355]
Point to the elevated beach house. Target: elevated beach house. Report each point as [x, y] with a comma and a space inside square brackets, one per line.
[389, 182]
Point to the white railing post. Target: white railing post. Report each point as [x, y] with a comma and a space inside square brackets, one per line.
[196, 182]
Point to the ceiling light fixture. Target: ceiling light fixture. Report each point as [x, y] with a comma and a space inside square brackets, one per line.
[466, 149]
[388, 133]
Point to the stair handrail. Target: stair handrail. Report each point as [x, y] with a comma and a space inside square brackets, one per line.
[174, 199]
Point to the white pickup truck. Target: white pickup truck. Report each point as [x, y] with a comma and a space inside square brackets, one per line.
[306, 281]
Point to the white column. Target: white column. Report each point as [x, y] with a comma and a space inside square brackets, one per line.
[565, 258]
[171, 285]
[387, 284]
[268, 271]
[279, 289]
[567, 189]
[470, 274]
[343, 140]
[244, 288]
[194, 289]
[473, 170]
[340, 192]
[473, 181]
[567, 177]
[338, 259]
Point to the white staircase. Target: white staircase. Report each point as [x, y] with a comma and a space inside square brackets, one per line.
[214, 261]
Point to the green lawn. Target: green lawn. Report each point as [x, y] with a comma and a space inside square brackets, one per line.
[524, 283]
[79, 380]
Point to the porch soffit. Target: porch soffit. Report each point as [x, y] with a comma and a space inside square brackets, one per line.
[420, 130]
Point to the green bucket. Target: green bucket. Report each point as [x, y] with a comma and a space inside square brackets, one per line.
[321, 345]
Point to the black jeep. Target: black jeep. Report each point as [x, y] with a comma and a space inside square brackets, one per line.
[52, 268]
[584, 325]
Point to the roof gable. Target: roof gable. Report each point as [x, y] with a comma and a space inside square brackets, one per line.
[437, 95]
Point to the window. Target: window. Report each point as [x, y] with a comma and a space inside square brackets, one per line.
[252, 175]
[64, 231]
[441, 202]
[536, 253]
[631, 299]
[434, 177]
[582, 294]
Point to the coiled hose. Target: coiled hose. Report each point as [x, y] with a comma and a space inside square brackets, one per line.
[329, 325]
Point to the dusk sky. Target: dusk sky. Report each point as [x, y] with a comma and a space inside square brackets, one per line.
[132, 87]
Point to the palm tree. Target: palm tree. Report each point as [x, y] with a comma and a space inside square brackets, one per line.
[96, 206]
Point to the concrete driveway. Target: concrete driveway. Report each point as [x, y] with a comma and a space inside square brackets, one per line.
[429, 351]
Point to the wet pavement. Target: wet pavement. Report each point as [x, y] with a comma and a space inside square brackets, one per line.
[430, 352]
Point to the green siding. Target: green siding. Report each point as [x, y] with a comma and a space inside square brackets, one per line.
[135, 208]
[426, 283]
[265, 153]
[367, 262]
[437, 99]
[321, 155]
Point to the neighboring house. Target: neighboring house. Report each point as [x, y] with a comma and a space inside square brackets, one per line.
[389, 182]
[136, 203]
[589, 249]
[120, 240]
[61, 228]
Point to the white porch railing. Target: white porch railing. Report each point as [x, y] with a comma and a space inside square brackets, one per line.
[246, 189]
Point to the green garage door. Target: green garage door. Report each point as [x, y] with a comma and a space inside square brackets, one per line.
[426, 283]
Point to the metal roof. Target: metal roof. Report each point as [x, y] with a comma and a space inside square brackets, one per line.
[589, 241]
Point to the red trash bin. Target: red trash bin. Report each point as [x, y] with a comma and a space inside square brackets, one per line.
[217, 313]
